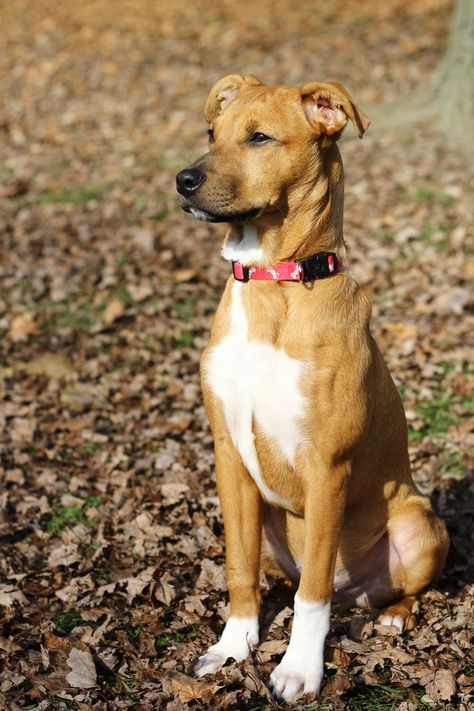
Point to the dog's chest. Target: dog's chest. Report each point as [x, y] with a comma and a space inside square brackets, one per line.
[259, 387]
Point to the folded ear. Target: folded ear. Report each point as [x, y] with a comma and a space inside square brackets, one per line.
[328, 106]
[225, 91]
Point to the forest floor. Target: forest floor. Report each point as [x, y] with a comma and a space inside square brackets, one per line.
[111, 563]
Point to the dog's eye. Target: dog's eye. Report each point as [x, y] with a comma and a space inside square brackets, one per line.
[210, 133]
[259, 138]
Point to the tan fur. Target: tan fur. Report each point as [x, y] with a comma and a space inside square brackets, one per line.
[351, 492]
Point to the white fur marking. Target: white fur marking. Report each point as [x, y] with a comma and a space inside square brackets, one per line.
[392, 621]
[240, 635]
[255, 380]
[301, 669]
[247, 251]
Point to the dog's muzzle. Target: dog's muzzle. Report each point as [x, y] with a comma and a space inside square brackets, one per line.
[189, 180]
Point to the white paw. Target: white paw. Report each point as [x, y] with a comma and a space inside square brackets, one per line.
[240, 635]
[392, 621]
[289, 680]
[210, 662]
[301, 669]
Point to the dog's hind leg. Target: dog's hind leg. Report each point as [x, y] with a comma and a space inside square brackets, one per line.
[419, 544]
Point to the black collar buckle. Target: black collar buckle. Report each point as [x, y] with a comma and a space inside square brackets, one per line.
[319, 266]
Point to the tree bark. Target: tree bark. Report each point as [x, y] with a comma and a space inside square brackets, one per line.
[448, 99]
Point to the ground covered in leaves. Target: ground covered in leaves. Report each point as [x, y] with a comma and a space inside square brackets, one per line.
[111, 562]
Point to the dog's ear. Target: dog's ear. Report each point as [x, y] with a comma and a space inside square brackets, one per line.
[328, 106]
[225, 91]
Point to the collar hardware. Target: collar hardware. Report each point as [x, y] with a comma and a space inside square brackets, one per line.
[318, 266]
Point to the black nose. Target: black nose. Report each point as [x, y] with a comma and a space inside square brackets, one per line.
[188, 181]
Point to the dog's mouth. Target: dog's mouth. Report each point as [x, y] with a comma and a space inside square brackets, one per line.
[208, 216]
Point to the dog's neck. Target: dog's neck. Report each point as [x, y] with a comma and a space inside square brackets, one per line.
[311, 222]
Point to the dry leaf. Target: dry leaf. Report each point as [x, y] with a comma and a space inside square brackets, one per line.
[83, 674]
[337, 684]
[188, 689]
[182, 275]
[22, 430]
[9, 595]
[212, 576]
[135, 586]
[113, 411]
[174, 491]
[337, 657]
[442, 686]
[52, 365]
[23, 327]
[114, 309]
[165, 592]
[64, 554]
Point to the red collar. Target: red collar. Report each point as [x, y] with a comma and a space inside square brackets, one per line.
[319, 266]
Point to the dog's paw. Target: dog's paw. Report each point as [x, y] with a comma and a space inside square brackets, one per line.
[395, 621]
[210, 662]
[301, 669]
[240, 635]
[290, 680]
[400, 615]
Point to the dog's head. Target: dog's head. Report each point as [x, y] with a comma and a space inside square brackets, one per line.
[263, 142]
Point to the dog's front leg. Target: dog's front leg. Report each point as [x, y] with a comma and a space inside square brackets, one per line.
[241, 510]
[301, 669]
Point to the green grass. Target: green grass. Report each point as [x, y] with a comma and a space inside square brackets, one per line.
[67, 516]
[123, 294]
[184, 340]
[133, 632]
[90, 448]
[71, 314]
[452, 462]
[68, 620]
[160, 214]
[76, 195]
[437, 416]
[425, 193]
[164, 641]
[382, 697]
[429, 229]
[185, 308]
[446, 366]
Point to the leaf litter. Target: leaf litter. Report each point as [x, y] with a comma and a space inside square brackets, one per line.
[111, 571]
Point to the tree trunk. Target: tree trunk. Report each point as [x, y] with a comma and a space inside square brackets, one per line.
[448, 100]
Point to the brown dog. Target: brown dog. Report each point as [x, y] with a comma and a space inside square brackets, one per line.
[310, 433]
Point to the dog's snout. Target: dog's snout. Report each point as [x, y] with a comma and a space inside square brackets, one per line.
[188, 181]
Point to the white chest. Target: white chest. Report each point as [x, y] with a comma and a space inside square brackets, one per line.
[256, 381]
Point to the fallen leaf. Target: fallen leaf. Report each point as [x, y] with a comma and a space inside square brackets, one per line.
[212, 576]
[22, 430]
[114, 309]
[52, 365]
[23, 327]
[338, 683]
[188, 689]
[174, 491]
[163, 591]
[183, 275]
[442, 686]
[135, 586]
[64, 554]
[9, 595]
[83, 673]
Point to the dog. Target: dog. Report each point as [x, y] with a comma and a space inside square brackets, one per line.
[309, 429]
